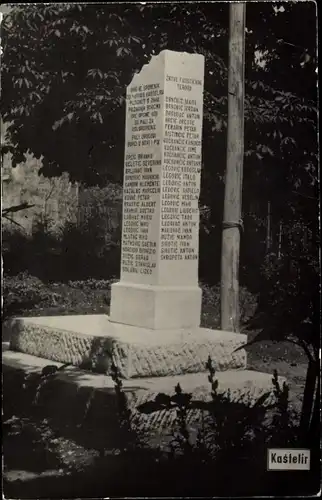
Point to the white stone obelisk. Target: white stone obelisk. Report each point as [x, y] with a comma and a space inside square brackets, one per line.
[159, 287]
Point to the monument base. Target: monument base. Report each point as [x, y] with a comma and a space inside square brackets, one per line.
[93, 342]
[73, 389]
[156, 307]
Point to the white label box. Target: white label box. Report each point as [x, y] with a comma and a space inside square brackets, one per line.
[288, 459]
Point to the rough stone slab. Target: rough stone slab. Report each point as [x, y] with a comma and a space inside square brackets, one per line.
[245, 387]
[93, 342]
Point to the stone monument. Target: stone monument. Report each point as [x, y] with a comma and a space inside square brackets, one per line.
[153, 333]
[154, 324]
[159, 265]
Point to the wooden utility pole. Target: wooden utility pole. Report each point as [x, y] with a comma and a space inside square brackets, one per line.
[232, 223]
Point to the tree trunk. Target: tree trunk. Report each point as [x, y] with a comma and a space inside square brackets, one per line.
[315, 420]
[280, 233]
[309, 400]
[268, 228]
[234, 170]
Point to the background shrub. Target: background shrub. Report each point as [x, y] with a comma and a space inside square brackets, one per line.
[23, 292]
[88, 250]
[91, 284]
[15, 251]
[28, 295]
[211, 305]
[79, 251]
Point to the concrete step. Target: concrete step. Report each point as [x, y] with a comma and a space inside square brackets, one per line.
[92, 342]
[75, 393]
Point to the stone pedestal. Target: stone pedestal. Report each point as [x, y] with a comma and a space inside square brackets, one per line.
[156, 307]
[160, 237]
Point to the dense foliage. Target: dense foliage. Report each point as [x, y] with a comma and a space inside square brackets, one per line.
[75, 251]
[26, 295]
[66, 68]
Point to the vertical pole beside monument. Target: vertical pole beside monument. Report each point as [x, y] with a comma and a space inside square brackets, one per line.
[234, 171]
[159, 287]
